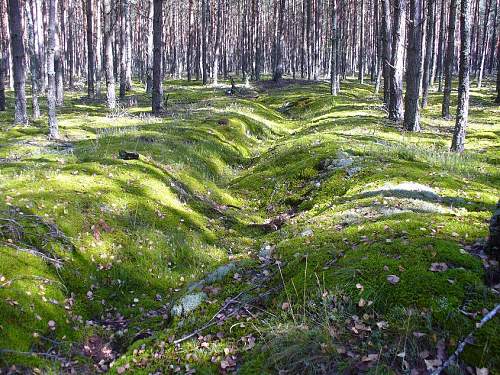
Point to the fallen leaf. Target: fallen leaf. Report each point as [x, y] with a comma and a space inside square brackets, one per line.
[432, 364]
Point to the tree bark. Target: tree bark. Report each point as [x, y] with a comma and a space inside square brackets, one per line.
[204, 41]
[124, 35]
[413, 67]
[361, 57]
[59, 61]
[157, 56]
[334, 77]
[90, 49]
[484, 50]
[18, 60]
[396, 101]
[215, 69]
[30, 15]
[51, 56]
[441, 43]
[149, 52]
[497, 100]
[108, 56]
[2, 81]
[429, 36]
[278, 64]
[458, 142]
[448, 62]
[386, 45]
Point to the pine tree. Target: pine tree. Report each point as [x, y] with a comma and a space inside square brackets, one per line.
[458, 142]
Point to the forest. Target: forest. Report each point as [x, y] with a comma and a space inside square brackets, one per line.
[250, 187]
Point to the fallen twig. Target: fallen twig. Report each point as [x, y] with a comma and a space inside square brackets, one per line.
[56, 262]
[461, 346]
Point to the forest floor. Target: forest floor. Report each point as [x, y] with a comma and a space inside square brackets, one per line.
[278, 230]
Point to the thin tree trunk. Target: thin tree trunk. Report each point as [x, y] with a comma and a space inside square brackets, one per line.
[204, 41]
[497, 100]
[2, 81]
[18, 60]
[108, 56]
[149, 52]
[429, 36]
[189, 52]
[90, 49]
[51, 56]
[483, 52]
[278, 64]
[458, 142]
[59, 61]
[441, 42]
[123, 46]
[30, 14]
[413, 65]
[386, 45]
[157, 56]
[215, 69]
[361, 57]
[396, 101]
[448, 62]
[334, 77]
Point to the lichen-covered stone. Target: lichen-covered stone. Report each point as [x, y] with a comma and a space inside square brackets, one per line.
[188, 303]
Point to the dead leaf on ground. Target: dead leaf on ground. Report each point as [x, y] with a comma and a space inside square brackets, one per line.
[438, 267]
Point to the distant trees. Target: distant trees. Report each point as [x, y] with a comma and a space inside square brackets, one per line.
[208, 39]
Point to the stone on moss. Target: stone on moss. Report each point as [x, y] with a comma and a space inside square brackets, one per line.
[188, 303]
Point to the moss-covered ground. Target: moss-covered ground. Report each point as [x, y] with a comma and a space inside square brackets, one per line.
[352, 240]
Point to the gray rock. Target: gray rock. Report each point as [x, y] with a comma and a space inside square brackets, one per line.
[307, 233]
[217, 275]
[266, 251]
[188, 303]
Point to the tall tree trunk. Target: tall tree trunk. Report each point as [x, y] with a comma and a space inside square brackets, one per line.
[157, 56]
[215, 69]
[396, 101]
[108, 55]
[149, 52]
[386, 46]
[30, 14]
[484, 50]
[59, 60]
[494, 39]
[124, 35]
[90, 49]
[361, 57]
[441, 43]
[458, 142]
[334, 77]
[204, 42]
[429, 36]
[189, 52]
[2, 81]
[448, 61]
[497, 100]
[18, 59]
[278, 64]
[51, 56]
[413, 66]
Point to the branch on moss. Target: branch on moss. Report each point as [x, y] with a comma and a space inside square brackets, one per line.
[56, 262]
[461, 346]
